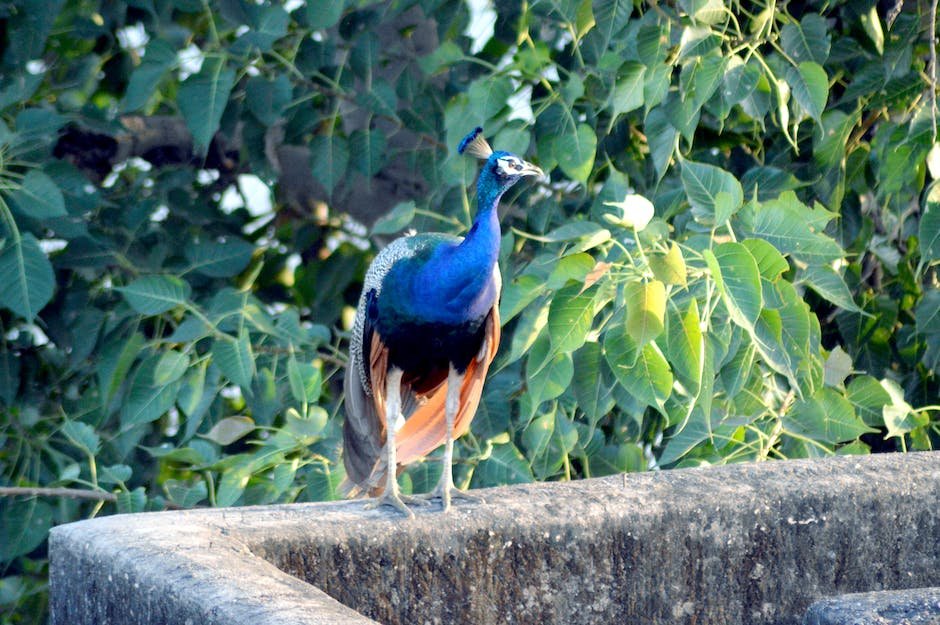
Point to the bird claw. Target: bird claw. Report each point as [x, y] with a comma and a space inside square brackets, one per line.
[448, 493]
[398, 501]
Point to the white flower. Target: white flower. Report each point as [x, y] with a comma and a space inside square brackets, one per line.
[636, 211]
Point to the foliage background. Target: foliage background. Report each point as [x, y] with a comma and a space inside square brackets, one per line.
[183, 188]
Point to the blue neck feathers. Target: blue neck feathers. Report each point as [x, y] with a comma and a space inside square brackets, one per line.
[456, 282]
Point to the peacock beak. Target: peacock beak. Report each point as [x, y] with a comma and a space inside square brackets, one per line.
[528, 169]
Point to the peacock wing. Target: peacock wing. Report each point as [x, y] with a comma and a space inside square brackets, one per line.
[426, 428]
[364, 427]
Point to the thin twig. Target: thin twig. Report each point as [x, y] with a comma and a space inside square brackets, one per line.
[72, 493]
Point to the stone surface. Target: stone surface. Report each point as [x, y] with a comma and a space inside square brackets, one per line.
[918, 606]
[752, 543]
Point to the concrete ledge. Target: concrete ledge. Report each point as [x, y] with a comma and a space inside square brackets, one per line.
[918, 606]
[754, 543]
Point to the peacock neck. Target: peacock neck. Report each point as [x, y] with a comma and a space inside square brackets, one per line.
[482, 242]
[456, 283]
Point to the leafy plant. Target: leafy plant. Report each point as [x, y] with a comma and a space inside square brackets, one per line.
[735, 257]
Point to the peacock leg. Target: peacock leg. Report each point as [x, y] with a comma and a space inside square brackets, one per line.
[445, 486]
[394, 420]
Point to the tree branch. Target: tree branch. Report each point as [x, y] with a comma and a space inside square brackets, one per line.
[72, 493]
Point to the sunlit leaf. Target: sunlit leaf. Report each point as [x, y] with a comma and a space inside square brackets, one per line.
[703, 183]
[230, 429]
[646, 310]
[738, 280]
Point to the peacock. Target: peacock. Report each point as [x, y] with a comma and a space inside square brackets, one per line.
[425, 332]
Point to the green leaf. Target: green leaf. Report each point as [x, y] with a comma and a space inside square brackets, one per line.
[9, 377]
[928, 232]
[551, 379]
[267, 99]
[705, 11]
[574, 267]
[82, 436]
[191, 393]
[661, 136]
[669, 267]
[613, 459]
[322, 15]
[611, 16]
[627, 94]
[267, 24]
[505, 464]
[24, 526]
[396, 219]
[824, 280]
[770, 262]
[685, 345]
[808, 40]
[738, 280]
[648, 379]
[367, 151]
[171, 367]
[700, 78]
[114, 362]
[517, 295]
[837, 368]
[234, 359]
[232, 485]
[219, 259]
[927, 313]
[306, 429]
[809, 85]
[575, 152]
[202, 99]
[38, 197]
[26, 277]
[229, 430]
[646, 310]
[156, 294]
[591, 387]
[826, 417]
[548, 439]
[129, 502]
[791, 227]
[872, 26]
[869, 398]
[697, 41]
[703, 183]
[304, 380]
[768, 182]
[186, 495]
[115, 474]
[329, 157]
[146, 77]
[570, 317]
[899, 417]
[735, 373]
[576, 230]
[146, 401]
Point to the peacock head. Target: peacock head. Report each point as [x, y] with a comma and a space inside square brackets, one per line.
[502, 169]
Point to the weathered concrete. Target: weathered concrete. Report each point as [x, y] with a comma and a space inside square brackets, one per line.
[742, 544]
[918, 606]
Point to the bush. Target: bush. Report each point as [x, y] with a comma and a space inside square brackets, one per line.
[183, 191]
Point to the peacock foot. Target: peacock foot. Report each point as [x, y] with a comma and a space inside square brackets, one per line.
[398, 501]
[447, 493]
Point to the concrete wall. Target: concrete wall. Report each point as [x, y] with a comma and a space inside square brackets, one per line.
[741, 544]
